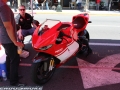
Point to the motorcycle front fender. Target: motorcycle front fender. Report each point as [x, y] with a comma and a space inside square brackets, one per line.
[39, 58]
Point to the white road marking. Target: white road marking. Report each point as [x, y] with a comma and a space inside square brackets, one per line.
[104, 25]
[100, 77]
[97, 44]
[95, 67]
[76, 67]
[105, 44]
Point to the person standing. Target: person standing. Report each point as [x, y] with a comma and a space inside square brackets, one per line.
[8, 40]
[78, 2]
[11, 3]
[97, 4]
[74, 3]
[15, 5]
[36, 4]
[47, 4]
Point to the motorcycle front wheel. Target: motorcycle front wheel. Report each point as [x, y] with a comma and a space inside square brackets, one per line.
[42, 71]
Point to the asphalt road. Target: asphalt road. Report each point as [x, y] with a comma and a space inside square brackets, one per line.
[95, 72]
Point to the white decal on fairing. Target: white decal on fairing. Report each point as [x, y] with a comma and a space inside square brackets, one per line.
[70, 50]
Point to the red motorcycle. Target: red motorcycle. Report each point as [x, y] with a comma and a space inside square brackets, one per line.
[56, 42]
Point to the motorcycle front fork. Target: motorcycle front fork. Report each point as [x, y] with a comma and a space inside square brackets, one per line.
[49, 65]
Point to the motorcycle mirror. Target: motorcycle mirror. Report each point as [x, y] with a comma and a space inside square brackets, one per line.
[89, 21]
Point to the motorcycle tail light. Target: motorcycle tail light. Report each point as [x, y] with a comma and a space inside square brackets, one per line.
[46, 47]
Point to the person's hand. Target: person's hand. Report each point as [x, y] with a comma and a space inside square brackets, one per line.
[20, 36]
[19, 44]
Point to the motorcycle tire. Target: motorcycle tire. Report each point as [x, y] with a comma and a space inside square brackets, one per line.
[39, 76]
[87, 36]
[84, 48]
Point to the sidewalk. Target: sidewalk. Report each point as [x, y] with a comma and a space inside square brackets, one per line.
[91, 12]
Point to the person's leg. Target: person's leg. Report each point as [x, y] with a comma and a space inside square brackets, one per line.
[47, 7]
[15, 7]
[24, 33]
[96, 6]
[11, 3]
[31, 31]
[12, 61]
[36, 6]
[78, 6]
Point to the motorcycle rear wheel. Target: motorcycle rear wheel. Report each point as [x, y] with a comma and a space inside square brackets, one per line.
[39, 74]
[84, 48]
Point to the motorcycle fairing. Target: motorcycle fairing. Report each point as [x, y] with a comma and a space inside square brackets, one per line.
[68, 51]
[47, 37]
[80, 22]
[68, 46]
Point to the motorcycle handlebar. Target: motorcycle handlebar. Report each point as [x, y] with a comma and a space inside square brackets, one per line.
[89, 21]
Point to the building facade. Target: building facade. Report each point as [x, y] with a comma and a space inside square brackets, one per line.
[66, 3]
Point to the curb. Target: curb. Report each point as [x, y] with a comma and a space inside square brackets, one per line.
[74, 12]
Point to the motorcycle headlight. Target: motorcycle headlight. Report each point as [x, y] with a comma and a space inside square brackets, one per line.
[46, 47]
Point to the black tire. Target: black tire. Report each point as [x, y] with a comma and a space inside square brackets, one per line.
[39, 76]
[87, 36]
[84, 48]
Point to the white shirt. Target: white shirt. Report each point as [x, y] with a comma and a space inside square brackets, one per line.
[73, 0]
[36, 1]
[79, 1]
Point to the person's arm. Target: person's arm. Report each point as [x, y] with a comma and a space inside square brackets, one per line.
[12, 2]
[5, 17]
[44, 1]
[10, 31]
[20, 36]
[11, 34]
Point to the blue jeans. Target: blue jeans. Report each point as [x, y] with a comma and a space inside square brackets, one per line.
[47, 7]
[36, 6]
[97, 6]
[27, 32]
[79, 6]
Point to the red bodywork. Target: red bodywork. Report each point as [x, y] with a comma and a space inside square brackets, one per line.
[47, 38]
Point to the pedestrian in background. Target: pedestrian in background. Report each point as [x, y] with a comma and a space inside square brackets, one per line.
[8, 40]
[97, 4]
[36, 4]
[47, 4]
[11, 3]
[78, 2]
[14, 3]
